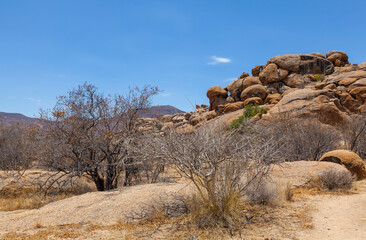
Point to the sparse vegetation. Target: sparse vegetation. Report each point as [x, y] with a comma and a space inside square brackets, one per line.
[159, 126]
[305, 139]
[89, 135]
[318, 77]
[249, 112]
[336, 180]
[354, 134]
[220, 166]
[263, 192]
[16, 147]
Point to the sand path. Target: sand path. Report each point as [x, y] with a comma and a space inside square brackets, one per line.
[339, 217]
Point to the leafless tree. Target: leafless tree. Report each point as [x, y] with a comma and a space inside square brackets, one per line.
[220, 165]
[304, 139]
[90, 134]
[15, 146]
[354, 133]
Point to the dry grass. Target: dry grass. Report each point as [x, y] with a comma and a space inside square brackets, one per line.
[13, 198]
[329, 182]
[257, 220]
[288, 193]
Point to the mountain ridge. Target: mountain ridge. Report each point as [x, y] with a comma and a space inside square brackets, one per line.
[154, 111]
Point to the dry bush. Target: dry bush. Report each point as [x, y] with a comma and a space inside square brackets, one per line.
[288, 192]
[16, 147]
[354, 133]
[166, 206]
[304, 139]
[333, 180]
[221, 166]
[263, 192]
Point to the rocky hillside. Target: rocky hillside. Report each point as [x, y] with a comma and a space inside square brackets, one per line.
[159, 111]
[12, 118]
[326, 87]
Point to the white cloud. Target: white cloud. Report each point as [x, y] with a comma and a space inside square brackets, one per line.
[37, 101]
[165, 94]
[229, 79]
[217, 60]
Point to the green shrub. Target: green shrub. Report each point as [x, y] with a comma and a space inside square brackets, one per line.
[318, 77]
[159, 126]
[249, 112]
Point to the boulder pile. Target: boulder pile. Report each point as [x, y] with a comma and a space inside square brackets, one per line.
[180, 122]
[327, 87]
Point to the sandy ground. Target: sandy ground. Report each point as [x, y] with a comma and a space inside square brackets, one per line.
[333, 216]
[339, 217]
[96, 207]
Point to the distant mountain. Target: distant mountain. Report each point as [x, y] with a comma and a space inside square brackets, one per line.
[159, 111]
[155, 111]
[12, 118]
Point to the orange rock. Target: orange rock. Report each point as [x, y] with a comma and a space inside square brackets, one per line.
[349, 159]
[244, 75]
[235, 88]
[253, 101]
[330, 86]
[295, 80]
[347, 81]
[254, 91]
[272, 74]
[273, 98]
[338, 58]
[250, 81]
[216, 91]
[308, 103]
[231, 107]
[217, 96]
[359, 93]
[256, 70]
[349, 102]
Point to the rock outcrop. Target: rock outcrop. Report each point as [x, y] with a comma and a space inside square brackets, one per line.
[349, 159]
[338, 58]
[217, 96]
[326, 87]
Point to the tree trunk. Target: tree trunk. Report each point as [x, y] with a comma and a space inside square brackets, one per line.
[99, 182]
[111, 177]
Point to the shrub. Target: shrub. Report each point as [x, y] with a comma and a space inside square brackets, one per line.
[354, 133]
[262, 192]
[305, 139]
[159, 126]
[249, 112]
[332, 179]
[318, 77]
[221, 167]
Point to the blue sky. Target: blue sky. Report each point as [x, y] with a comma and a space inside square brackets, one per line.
[184, 47]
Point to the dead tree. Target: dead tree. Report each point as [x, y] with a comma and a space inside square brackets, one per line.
[89, 134]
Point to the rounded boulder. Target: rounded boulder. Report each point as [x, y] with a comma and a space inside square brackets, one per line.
[338, 58]
[254, 91]
[349, 159]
